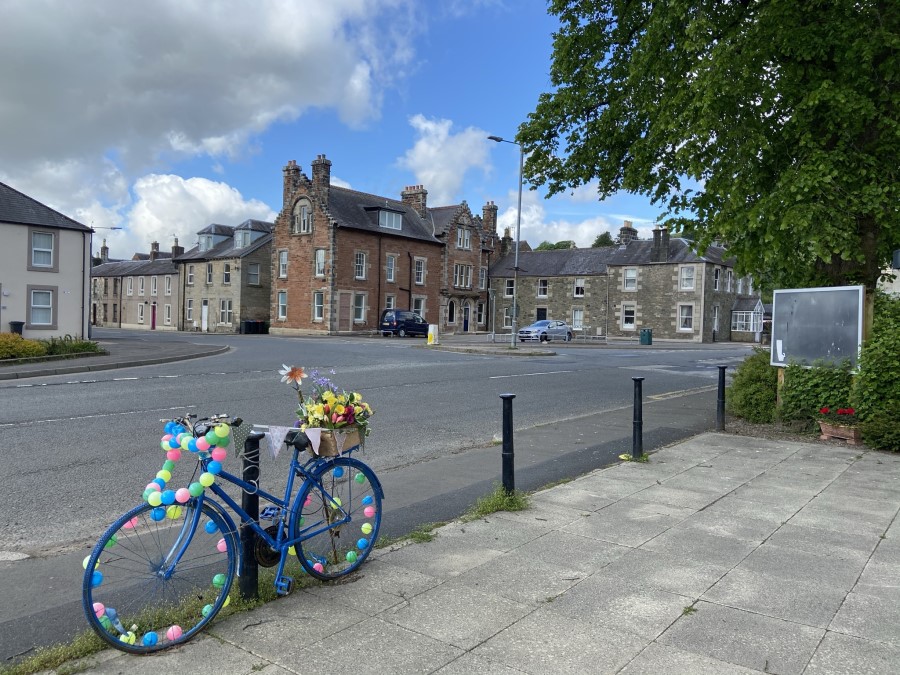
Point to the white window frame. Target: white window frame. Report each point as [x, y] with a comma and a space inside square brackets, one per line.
[318, 306]
[154, 286]
[729, 280]
[482, 278]
[167, 284]
[130, 286]
[390, 268]
[509, 289]
[479, 312]
[629, 278]
[226, 274]
[626, 308]
[281, 301]
[206, 242]
[359, 266]
[359, 307]
[419, 306]
[35, 249]
[141, 285]
[301, 221]
[189, 310]
[740, 286]
[686, 280]
[390, 220]
[577, 319]
[578, 287]
[686, 317]
[209, 273]
[715, 318]
[226, 311]
[167, 314]
[390, 301]
[507, 317]
[716, 274]
[319, 263]
[543, 288]
[746, 322]
[282, 264]
[242, 238]
[253, 274]
[41, 307]
[464, 238]
[190, 275]
[420, 271]
[140, 308]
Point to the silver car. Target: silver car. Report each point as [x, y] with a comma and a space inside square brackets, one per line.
[546, 330]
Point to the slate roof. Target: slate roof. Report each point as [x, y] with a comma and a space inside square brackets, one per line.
[255, 225]
[638, 252]
[21, 209]
[215, 228]
[747, 305]
[359, 211]
[146, 256]
[135, 268]
[225, 249]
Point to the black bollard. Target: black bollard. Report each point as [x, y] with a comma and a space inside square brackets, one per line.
[720, 403]
[249, 579]
[637, 436]
[509, 478]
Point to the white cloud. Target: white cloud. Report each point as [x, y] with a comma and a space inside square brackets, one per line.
[537, 226]
[440, 159]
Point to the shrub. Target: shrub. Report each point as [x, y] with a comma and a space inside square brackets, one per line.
[881, 431]
[70, 345]
[807, 390]
[14, 346]
[753, 390]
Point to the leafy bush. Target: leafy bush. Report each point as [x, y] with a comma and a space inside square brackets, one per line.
[807, 390]
[70, 345]
[753, 390]
[14, 346]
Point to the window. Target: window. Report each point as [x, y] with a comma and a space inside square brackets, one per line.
[451, 312]
[390, 269]
[629, 279]
[686, 318]
[140, 313]
[320, 262]
[115, 289]
[42, 256]
[167, 283]
[253, 274]
[282, 264]
[302, 221]
[359, 267]
[464, 238]
[577, 319]
[390, 302]
[153, 286]
[241, 238]
[716, 274]
[167, 315]
[188, 310]
[479, 313]
[715, 318]
[543, 287]
[482, 278]
[105, 286]
[507, 317]
[206, 242]
[628, 316]
[115, 313]
[140, 285]
[130, 286]
[748, 322]
[462, 276]
[190, 275]
[579, 288]
[318, 306]
[282, 305]
[729, 278]
[687, 279]
[749, 286]
[359, 307]
[419, 306]
[740, 286]
[510, 288]
[226, 273]
[420, 271]
[41, 313]
[225, 313]
[209, 273]
[389, 219]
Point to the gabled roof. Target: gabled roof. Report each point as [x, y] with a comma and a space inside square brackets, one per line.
[564, 262]
[215, 228]
[255, 225]
[748, 305]
[639, 252]
[442, 216]
[134, 268]
[226, 249]
[359, 210]
[146, 256]
[21, 209]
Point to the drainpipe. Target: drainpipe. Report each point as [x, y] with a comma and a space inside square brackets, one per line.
[332, 281]
[409, 292]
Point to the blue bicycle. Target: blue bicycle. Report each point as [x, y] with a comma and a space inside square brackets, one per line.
[164, 570]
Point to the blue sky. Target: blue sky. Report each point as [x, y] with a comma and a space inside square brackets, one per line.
[162, 117]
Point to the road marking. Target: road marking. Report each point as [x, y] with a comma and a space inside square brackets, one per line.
[549, 372]
[98, 416]
[12, 556]
[682, 392]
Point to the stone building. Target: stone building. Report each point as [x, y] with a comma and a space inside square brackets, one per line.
[341, 256]
[226, 279]
[660, 284]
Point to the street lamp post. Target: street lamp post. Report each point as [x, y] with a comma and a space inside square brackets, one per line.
[515, 306]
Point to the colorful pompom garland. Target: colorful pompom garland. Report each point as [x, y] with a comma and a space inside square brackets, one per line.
[176, 440]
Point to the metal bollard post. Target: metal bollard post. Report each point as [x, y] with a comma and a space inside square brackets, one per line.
[249, 579]
[720, 403]
[637, 436]
[509, 479]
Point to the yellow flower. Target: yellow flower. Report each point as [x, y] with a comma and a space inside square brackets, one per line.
[339, 409]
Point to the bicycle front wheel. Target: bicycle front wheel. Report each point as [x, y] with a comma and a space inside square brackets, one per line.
[159, 575]
[338, 513]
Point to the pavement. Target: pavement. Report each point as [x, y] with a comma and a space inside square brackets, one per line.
[721, 554]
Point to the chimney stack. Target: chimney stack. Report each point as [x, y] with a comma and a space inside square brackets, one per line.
[416, 197]
[154, 250]
[291, 181]
[176, 249]
[489, 215]
[321, 177]
[627, 233]
[104, 252]
[660, 250]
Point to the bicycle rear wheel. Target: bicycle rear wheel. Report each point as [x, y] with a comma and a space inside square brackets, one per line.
[158, 576]
[340, 514]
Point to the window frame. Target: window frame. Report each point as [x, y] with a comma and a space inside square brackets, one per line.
[226, 311]
[578, 290]
[167, 284]
[130, 286]
[254, 270]
[190, 275]
[390, 220]
[319, 262]
[687, 273]
[717, 273]
[577, 318]
[482, 278]
[682, 316]
[52, 307]
[53, 265]
[629, 307]
[359, 266]
[140, 316]
[226, 274]
[167, 314]
[420, 271]
[154, 286]
[509, 289]
[390, 301]
[390, 268]
[301, 217]
[189, 309]
[359, 307]
[419, 306]
[318, 306]
[543, 288]
[209, 274]
[282, 263]
[281, 300]
[629, 279]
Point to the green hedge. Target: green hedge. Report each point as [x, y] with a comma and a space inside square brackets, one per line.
[14, 346]
[753, 389]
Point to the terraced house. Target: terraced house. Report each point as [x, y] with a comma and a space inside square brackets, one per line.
[340, 256]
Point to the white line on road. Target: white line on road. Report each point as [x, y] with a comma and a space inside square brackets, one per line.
[88, 417]
[549, 372]
[682, 392]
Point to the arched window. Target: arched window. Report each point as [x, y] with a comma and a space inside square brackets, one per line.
[301, 222]
[451, 312]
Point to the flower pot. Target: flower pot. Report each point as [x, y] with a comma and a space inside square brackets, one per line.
[333, 442]
[840, 432]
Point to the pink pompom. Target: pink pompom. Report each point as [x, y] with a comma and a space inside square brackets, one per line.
[165, 438]
[131, 524]
[369, 512]
[174, 632]
[308, 500]
[99, 609]
[319, 568]
[152, 486]
[182, 495]
[174, 455]
[219, 454]
[222, 545]
[202, 444]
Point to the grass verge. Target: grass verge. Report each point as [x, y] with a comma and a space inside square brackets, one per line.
[498, 500]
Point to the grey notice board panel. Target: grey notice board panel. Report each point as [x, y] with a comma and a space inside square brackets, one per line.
[814, 324]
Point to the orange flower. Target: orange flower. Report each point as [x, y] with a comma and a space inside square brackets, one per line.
[292, 374]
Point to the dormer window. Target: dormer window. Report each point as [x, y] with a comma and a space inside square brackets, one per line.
[241, 238]
[301, 223]
[206, 242]
[390, 219]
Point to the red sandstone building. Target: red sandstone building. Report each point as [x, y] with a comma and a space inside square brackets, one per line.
[340, 257]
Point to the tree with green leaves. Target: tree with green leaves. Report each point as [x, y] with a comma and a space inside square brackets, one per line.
[603, 239]
[770, 125]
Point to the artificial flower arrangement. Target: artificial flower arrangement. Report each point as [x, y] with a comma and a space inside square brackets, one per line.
[843, 417]
[328, 408]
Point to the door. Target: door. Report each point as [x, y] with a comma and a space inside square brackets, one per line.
[153, 316]
[466, 311]
[345, 311]
[204, 315]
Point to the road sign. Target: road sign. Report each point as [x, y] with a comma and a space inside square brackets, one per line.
[817, 324]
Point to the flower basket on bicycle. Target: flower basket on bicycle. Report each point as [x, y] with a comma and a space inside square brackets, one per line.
[333, 442]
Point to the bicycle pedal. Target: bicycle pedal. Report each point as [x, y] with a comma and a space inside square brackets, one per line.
[284, 585]
[270, 513]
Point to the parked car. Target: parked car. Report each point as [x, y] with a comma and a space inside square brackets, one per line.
[546, 330]
[402, 322]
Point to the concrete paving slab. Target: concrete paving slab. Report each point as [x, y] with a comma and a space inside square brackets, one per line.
[621, 605]
[874, 510]
[840, 520]
[807, 603]
[693, 499]
[457, 614]
[543, 514]
[381, 575]
[681, 576]
[501, 534]
[628, 523]
[694, 482]
[744, 638]
[545, 642]
[870, 613]
[374, 646]
[845, 545]
[837, 568]
[469, 663]
[733, 506]
[442, 558]
[573, 496]
[737, 526]
[656, 659]
[841, 654]
[701, 546]
[613, 484]
[584, 554]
